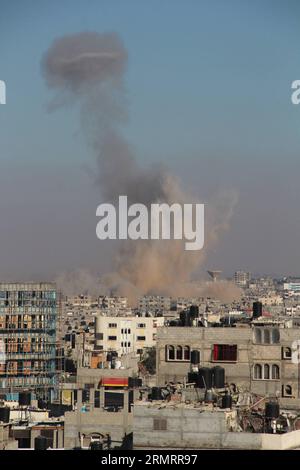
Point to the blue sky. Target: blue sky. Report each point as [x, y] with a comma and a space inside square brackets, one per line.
[208, 87]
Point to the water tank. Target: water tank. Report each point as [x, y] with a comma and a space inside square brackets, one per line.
[272, 410]
[204, 379]
[4, 414]
[195, 357]
[194, 311]
[226, 401]
[257, 309]
[96, 445]
[193, 378]
[156, 393]
[40, 443]
[24, 398]
[218, 377]
[185, 318]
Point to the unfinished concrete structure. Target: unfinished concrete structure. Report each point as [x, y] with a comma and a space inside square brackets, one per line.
[27, 331]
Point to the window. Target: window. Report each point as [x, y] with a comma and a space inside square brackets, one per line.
[275, 372]
[275, 336]
[170, 353]
[257, 371]
[286, 353]
[159, 424]
[141, 338]
[266, 371]
[267, 336]
[179, 353]
[225, 352]
[112, 338]
[186, 353]
[258, 335]
[129, 331]
[287, 391]
[141, 325]
[112, 325]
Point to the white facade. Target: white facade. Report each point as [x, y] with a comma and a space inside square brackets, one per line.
[126, 334]
[242, 278]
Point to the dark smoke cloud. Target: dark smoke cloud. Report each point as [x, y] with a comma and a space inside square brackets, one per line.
[89, 68]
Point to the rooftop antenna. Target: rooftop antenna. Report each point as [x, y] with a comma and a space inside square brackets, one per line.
[214, 274]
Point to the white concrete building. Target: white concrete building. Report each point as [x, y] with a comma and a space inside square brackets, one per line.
[126, 334]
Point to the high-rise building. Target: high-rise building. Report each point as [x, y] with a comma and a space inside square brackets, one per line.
[28, 334]
[242, 278]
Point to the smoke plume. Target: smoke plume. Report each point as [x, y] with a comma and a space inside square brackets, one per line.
[89, 68]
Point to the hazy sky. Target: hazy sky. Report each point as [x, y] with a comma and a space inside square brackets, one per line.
[208, 88]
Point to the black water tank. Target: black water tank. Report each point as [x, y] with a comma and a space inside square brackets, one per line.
[257, 309]
[204, 379]
[185, 318]
[195, 357]
[174, 323]
[193, 378]
[24, 398]
[218, 377]
[272, 410]
[194, 311]
[4, 414]
[226, 401]
[40, 443]
[96, 445]
[156, 393]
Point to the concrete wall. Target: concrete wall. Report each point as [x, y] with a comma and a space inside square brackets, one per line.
[198, 429]
[114, 423]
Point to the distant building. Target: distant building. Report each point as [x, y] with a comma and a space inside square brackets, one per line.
[151, 303]
[292, 288]
[113, 303]
[126, 334]
[242, 278]
[27, 329]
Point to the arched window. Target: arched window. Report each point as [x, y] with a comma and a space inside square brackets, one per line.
[275, 371]
[170, 353]
[287, 390]
[258, 335]
[257, 371]
[266, 371]
[286, 353]
[267, 336]
[186, 353]
[179, 353]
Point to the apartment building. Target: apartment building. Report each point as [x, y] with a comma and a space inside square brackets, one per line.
[126, 334]
[258, 358]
